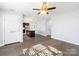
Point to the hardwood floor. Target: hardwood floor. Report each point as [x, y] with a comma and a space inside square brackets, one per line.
[16, 48]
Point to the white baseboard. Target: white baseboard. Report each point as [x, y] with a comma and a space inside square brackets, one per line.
[64, 40]
[21, 40]
[1, 45]
[41, 33]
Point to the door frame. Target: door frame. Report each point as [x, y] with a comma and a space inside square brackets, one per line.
[3, 43]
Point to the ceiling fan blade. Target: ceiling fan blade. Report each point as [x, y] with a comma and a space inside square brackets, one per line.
[51, 8]
[35, 9]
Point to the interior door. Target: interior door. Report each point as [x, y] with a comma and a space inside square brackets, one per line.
[12, 30]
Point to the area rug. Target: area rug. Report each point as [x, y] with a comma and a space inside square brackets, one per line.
[41, 50]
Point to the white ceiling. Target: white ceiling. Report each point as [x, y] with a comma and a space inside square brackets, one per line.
[26, 7]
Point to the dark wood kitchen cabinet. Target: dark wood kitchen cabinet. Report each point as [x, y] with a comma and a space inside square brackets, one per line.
[26, 26]
[31, 33]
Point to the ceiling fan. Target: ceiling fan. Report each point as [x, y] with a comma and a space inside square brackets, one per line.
[44, 8]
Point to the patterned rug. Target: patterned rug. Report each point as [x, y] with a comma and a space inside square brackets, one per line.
[41, 50]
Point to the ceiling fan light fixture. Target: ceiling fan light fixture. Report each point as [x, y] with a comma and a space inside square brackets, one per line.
[43, 9]
[43, 12]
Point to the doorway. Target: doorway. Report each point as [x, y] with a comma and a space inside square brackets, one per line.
[12, 30]
[27, 32]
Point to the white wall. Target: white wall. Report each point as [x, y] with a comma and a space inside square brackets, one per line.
[65, 24]
[40, 25]
[1, 29]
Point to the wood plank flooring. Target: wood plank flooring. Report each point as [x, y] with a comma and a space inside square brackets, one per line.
[15, 49]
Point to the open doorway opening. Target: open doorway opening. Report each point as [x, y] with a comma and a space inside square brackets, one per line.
[27, 32]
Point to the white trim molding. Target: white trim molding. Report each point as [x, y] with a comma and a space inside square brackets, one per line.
[1, 44]
[64, 40]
